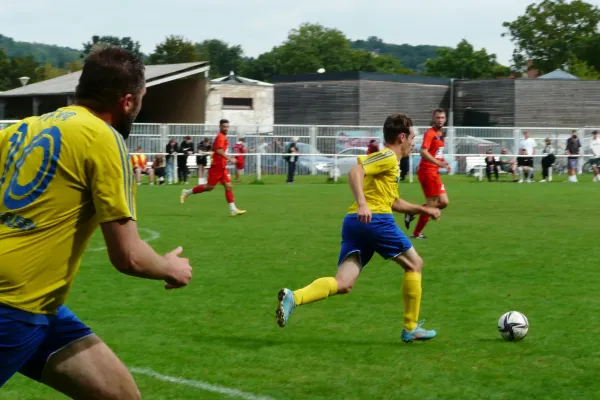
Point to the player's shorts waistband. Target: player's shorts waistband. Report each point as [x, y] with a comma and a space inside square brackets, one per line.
[374, 217]
[24, 316]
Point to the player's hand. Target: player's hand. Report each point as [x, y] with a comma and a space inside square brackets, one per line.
[364, 214]
[433, 212]
[446, 166]
[181, 271]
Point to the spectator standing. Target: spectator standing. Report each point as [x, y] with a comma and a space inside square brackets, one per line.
[171, 150]
[204, 148]
[186, 149]
[595, 148]
[573, 151]
[291, 158]
[547, 161]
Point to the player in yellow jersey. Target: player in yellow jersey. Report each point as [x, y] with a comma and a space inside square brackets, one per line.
[64, 173]
[369, 227]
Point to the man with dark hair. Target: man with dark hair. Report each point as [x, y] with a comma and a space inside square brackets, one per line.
[369, 227]
[432, 159]
[218, 172]
[573, 150]
[86, 181]
[525, 166]
[491, 166]
[201, 160]
[187, 149]
[372, 147]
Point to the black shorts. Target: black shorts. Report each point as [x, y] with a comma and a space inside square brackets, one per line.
[201, 161]
[160, 172]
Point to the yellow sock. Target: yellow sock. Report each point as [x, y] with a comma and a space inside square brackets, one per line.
[411, 293]
[318, 290]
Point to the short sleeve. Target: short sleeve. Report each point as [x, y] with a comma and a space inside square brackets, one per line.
[427, 139]
[378, 163]
[110, 178]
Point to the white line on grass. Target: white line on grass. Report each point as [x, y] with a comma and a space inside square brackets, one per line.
[152, 235]
[199, 385]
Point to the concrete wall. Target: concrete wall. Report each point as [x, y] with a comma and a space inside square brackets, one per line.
[378, 99]
[484, 102]
[180, 101]
[557, 103]
[317, 103]
[263, 104]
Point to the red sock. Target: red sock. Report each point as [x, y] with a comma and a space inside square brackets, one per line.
[198, 189]
[423, 220]
[229, 196]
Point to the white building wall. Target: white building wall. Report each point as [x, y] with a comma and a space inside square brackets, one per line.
[261, 115]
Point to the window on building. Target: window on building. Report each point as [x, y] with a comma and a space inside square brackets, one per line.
[237, 103]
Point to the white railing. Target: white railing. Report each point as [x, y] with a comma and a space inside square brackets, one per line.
[334, 166]
[321, 145]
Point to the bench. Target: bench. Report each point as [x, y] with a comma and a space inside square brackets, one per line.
[477, 164]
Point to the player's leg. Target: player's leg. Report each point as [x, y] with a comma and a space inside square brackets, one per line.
[435, 193]
[137, 171]
[19, 341]
[355, 253]
[214, 176]
[75, 362]
[520, 170]
[392, 243]
[151, 175]
[88, 369]
[226, 181]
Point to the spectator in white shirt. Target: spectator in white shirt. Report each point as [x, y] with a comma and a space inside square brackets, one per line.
[528, 144]
[595, 148]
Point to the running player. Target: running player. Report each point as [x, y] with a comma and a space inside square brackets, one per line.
[218, 172]
[369, 227]
[64, 173]
[432, 159]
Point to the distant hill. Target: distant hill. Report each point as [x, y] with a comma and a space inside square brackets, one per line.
[42, 53]
[412, 57]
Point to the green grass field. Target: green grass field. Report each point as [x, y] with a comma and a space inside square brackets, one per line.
[498, 247]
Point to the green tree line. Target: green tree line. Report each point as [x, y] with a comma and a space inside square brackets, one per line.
[549, 34]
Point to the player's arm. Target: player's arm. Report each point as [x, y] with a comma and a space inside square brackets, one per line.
[220, 149]
[110, 181]
[425, 151]
[404, 207]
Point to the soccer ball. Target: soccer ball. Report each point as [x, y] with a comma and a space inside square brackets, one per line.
[513, 326]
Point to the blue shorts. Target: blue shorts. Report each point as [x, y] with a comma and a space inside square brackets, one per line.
[382, 235]
[26, 346]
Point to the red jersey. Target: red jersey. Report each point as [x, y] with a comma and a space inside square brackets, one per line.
[239, 148]
[220, 142]
[433, 141]
[372, 148]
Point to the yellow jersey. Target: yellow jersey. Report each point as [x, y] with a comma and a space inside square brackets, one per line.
[63, 173]
[382, 174]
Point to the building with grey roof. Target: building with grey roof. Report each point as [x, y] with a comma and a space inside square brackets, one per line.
[175, 93]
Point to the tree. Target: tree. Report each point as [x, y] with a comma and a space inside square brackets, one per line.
[465, 62]
[126, 42]
[48, 71]
[582, 69]
[175, 49]
[11, 69]
[221, 56]
[412, 57]
[313, 46]
[548, 32]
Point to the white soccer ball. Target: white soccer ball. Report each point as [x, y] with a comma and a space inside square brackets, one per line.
[513, 326]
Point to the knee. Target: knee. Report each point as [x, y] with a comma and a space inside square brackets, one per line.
[415, 265]
[442, 203]
[208, 188]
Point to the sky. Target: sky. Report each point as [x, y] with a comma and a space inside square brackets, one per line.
[258, 25]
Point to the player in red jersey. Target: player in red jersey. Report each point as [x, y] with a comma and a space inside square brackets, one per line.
[218, 172]
[432, 159]
[239, 149]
